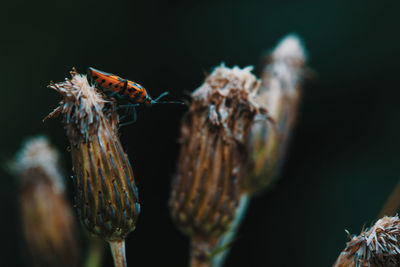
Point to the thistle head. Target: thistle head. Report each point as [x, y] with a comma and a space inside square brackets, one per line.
[377, 246]
[105, 192]
[47, 219]
[212, 162]
[279, 93]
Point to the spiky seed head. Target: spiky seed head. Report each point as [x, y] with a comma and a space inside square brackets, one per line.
[279, 93]
[213, 153]
[105, 192]
[374, 247]
[47, 218]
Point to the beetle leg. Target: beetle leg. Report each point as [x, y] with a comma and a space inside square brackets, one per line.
[132, 121]
[129, 112]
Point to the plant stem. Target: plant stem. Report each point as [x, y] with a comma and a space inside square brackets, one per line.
[118, 253]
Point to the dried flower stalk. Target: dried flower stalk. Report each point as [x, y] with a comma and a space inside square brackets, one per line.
[233, 140]
[118, 252]
[105, 192]
[213, 156]
[377, 246]
[47, 218]
[280, 94]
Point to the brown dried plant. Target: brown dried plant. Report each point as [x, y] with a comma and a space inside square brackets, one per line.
[233, 140]
[374, 247]
[47, 218]
[105, 191]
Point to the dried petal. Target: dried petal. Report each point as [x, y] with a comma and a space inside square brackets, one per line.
[377, 246]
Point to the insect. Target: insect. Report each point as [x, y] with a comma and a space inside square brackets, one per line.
[132, 92]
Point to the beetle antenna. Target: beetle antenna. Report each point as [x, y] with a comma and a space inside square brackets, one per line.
[161, 96]
[167, 102]
[155, 101]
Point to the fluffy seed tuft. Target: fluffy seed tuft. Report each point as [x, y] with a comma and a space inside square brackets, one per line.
[377, 246]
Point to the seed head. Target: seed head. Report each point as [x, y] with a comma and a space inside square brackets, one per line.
[377, 246]
[47, 219]
[208, 186]
[279, 93]
[105, 192]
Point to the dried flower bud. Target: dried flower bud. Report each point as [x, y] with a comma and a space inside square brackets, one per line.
[106, 195]
[47, 218]
[208, 186]
[279, 94]
[378, 246]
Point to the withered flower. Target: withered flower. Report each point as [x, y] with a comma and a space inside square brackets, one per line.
[233, 140]
[105, 192]
[280, 94]
[208, 187]
[47, 218]
[374, 247]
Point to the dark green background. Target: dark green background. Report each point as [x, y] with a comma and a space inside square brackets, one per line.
[344, 158]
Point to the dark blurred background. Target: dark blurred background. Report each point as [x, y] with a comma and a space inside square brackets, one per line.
[343, 160]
